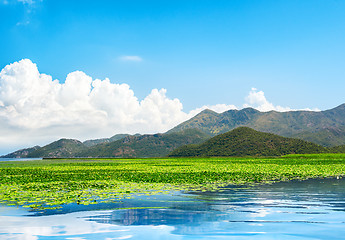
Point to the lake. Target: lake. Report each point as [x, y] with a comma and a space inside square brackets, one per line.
[19, 159]
[311, 209]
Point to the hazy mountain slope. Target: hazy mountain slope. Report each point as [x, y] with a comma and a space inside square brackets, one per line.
[244, 141]
[22, 153]
[93, 142]
[205, 121]
[326, 137]
[282, 123]
[157, 145]
[60, 148]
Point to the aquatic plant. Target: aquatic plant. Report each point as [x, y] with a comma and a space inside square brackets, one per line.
[48, 184]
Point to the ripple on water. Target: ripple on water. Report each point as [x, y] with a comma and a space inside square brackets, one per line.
[313, 209]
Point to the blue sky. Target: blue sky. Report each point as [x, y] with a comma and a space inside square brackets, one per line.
[202, 52]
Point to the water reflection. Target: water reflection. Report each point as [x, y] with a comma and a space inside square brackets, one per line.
[313, 209]
[155, 217]
[308, 207]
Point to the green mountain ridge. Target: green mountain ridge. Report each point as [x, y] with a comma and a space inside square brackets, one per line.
[22, 153]
[63, 148]
[326, 128]
[244, 141]
[130, 146]
[156, 145]
[114, 138]
[303, 124]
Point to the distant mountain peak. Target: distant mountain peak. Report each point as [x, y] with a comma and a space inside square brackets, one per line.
[60, 148]
[94, 142]
[282, 123]
[207, 112]
[22, 153]
[247, 109]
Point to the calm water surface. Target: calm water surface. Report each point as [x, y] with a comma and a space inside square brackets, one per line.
[313, 209]
[19, 159]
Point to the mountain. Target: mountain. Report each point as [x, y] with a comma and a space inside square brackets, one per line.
[157, 145]
[93, 142]
[326, 137]
[59, 149]
[286, 124]
[244, 141]
[22, 153]
[326, 128]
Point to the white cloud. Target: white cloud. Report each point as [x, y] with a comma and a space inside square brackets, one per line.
[131, 58]
[256, 99]
[36, 109]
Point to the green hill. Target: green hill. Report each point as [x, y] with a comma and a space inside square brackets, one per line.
[286, 124]
[59, 149]
[244, 141]
[22, 153]
[337, 149]
[157, 145]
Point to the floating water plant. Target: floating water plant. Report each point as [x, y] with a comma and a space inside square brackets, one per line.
[49, 184]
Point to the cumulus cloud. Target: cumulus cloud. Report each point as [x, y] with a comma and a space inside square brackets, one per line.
[130, 58]
[36, 109]
[33, 105]
[256, 99]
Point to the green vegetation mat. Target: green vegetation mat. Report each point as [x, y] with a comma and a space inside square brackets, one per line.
[48, 184]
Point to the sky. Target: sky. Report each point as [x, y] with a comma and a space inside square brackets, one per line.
[92, 69]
